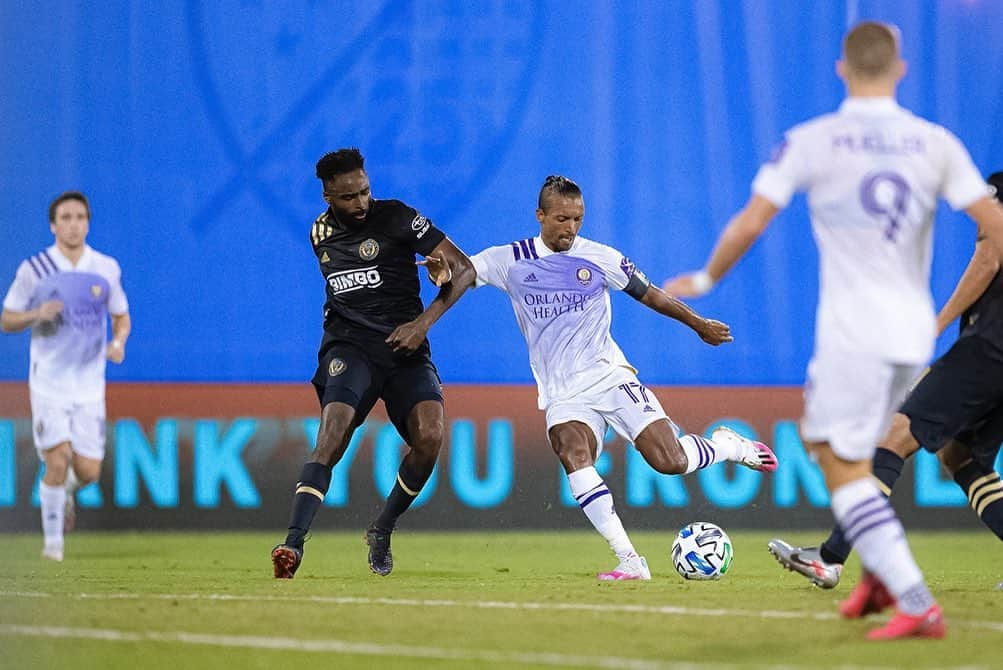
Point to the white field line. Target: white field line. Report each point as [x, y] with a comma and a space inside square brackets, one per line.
[480, 656]
[344, 647]
[670, 610]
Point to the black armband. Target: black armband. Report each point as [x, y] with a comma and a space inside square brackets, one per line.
[637, 286]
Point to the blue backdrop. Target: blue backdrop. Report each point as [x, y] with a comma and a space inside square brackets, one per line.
[194, 127]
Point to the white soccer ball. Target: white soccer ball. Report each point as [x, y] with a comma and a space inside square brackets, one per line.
[701, 551]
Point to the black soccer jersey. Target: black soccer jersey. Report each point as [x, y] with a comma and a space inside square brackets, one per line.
[985, 316]
[369, 268]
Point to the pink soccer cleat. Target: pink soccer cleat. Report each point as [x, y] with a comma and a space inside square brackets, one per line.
[751, 454]
[867, 597]
[633, 567]
[928, 624]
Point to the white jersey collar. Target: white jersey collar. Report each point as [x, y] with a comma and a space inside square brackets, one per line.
[854, 105]
[543, 250]
[64, 263]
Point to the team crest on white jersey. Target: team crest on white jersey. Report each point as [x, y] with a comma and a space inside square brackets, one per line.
[369, 249]
[584, 276]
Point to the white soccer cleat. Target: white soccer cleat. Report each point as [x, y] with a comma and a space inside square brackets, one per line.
[751, 454]
[632, 567]
[53, 554]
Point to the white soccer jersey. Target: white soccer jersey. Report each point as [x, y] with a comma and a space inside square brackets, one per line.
[561, 301]
[68, 354]
[873, 172]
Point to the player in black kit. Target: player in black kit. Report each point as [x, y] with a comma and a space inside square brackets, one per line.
[956, 411]
[374, 344]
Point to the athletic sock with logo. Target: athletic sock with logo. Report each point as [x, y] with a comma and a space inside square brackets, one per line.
[596, 501]
[405, 490]
[886, 468]
[315, 478]
[985, 494]
[52, 500]
[870, 525]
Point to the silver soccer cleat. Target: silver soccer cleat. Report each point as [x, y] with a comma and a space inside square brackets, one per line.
[806, 561]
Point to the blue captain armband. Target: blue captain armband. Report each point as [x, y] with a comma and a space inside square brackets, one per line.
[637, 286]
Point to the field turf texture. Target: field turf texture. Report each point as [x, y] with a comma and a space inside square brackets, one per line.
[463, 600]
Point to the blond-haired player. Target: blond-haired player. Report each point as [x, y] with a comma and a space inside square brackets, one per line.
[873, 173]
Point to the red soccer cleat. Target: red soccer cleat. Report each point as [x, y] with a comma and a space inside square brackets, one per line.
[867, 597]
[928, 624]
[285, 561]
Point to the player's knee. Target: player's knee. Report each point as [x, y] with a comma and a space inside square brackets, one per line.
[87, 472]
[899, 439]
[332, 441]
[573, 454]
[57, 463]
[427, 440]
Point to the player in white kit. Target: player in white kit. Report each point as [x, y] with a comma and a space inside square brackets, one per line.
[559, 286]
[873, 173]
[65, 294]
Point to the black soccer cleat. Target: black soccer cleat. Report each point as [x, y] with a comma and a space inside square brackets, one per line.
[381, 560]
[286, 560]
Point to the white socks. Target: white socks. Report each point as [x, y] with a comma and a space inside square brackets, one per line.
[53, 501]
[597, 502]
[870, 525]
[701, 452]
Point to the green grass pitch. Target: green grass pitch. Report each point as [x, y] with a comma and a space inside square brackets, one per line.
[463, 600]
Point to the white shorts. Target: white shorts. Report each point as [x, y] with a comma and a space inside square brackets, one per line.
[81, 424]
[850, 400]
[620, 401]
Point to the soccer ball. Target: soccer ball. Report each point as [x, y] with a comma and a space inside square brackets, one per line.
[701, 551]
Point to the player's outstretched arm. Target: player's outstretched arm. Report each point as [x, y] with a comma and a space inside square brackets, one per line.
[448, 260]
[976, 278]
[710, 331]
[742, 230]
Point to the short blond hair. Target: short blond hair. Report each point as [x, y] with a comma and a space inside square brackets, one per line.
[871, 49]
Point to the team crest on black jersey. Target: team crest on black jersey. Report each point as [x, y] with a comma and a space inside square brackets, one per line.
[369, 249]
[336, 367]
[96, 290]
[584, 276]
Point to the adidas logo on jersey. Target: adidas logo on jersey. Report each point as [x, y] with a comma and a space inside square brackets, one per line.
[531, 277]
[648, 408]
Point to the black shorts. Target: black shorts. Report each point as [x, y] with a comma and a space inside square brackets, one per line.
[985, 439]
[958, 396]
[361, 372]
